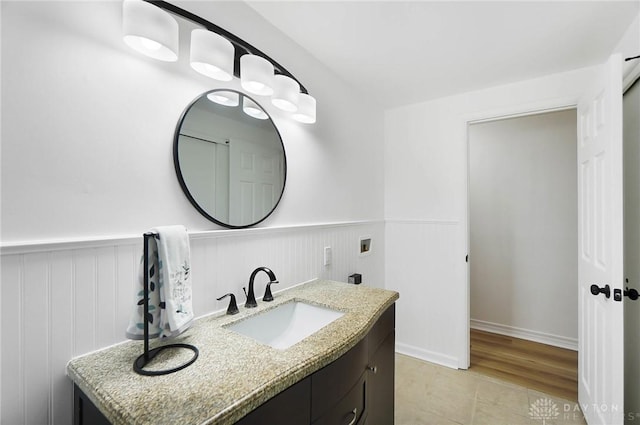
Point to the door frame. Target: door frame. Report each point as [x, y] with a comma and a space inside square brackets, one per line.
[513, 111]
[631, 73]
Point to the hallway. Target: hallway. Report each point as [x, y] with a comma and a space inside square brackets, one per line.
[542, 367]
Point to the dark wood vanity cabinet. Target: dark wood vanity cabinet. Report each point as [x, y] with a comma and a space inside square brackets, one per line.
[84, 411]
[339, 390]
[290, 407]
[355, 389]
[381, 370]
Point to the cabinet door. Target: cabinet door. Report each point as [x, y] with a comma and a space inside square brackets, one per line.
[381, 383]
[382, 328]
[351, 409]
[290, 407]
[84, 411]
[330, 384]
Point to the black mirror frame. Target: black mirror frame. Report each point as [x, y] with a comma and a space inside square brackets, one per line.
[183, 185]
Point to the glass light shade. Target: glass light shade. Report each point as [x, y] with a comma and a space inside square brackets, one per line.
[226, 98]
[286, 91]
[306, 112]
[212, 55]
[252, 109]
[150, 30]
[256, 75]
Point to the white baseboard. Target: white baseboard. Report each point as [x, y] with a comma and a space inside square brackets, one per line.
[427, 355]
[541, 337]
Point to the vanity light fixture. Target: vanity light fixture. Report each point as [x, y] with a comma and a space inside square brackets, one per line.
[306, 112]
[286, 92]
[150, 30]
[256, 75]
[216, 53]
[226, 98]
[252, 109]
[212, 55]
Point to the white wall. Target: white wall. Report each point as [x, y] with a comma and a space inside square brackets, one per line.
[62, 300]
[425, 202]
[426, 206]
[88, 124]
[87, 167]
[523, 232]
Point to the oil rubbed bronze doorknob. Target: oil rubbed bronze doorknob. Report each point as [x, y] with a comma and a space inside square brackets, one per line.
[631, 293]
[606, 290]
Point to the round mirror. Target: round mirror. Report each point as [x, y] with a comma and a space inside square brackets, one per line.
[230, 159]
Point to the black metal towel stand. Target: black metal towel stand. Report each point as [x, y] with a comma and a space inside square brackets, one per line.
[148, 355]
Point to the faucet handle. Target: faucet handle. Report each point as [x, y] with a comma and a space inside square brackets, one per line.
[267, 292]
[251, 298]
[233, 307]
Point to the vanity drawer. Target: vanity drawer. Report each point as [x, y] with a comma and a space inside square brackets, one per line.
[383, 327]
[350, 410]
[331, 383]
[290, 407]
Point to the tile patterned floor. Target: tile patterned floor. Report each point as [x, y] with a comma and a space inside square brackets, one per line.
[428, 394]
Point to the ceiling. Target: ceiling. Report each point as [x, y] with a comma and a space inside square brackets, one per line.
[402, 52]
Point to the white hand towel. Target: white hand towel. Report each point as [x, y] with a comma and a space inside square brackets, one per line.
[170, 300]
[175, 280]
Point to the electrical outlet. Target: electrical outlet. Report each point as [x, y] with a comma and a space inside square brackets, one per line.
[328, 255]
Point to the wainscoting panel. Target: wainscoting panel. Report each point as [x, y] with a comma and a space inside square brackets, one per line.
[63, 299]
[62, 331]
[12, 345]
[425, 263]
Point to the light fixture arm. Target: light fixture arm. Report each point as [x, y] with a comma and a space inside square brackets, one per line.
[241, 46]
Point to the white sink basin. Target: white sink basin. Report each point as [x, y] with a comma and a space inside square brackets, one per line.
[287, 324]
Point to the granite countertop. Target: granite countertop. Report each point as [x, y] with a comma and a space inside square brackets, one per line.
[233, 374]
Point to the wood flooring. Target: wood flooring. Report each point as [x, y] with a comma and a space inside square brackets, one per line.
[541, 367]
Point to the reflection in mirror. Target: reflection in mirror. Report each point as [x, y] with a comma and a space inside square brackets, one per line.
[230, 159]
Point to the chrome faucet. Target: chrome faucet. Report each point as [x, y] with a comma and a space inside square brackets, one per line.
[251, 297]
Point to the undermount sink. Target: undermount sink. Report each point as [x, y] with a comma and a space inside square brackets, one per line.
[286, 324]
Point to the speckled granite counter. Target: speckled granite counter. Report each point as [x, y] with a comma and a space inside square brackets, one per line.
[234, 374]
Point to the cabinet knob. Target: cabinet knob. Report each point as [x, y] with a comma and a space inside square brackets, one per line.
[373, 369]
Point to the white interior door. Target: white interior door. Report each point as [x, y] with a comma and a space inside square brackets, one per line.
[256, 179]
[204, 164]
[600, 258]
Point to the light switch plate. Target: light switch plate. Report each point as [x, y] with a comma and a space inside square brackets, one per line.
[328, 255]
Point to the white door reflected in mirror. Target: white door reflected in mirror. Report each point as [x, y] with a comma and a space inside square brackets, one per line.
[231, 166]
